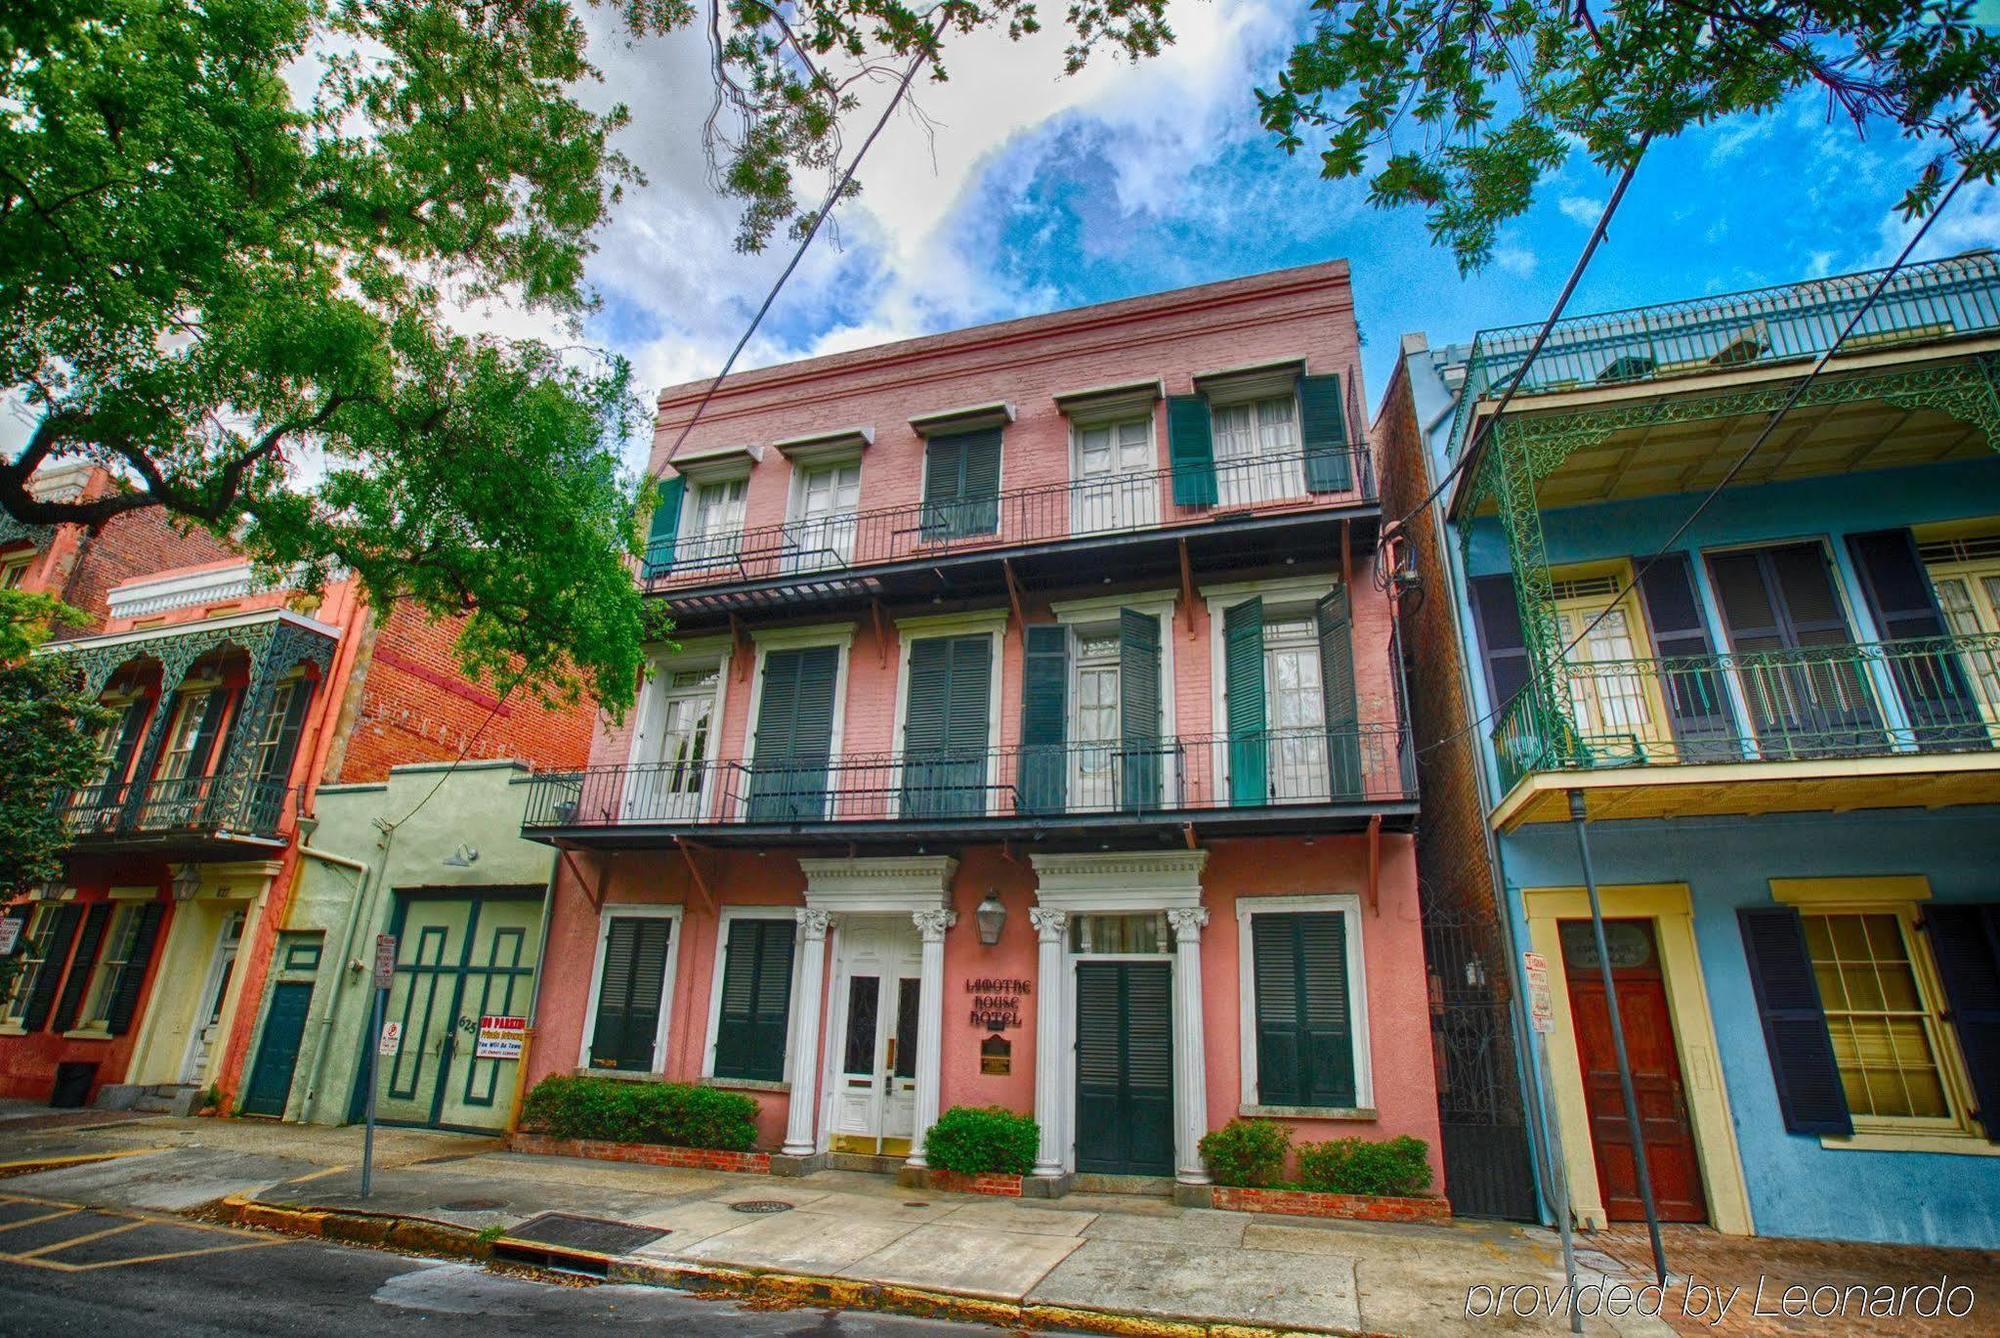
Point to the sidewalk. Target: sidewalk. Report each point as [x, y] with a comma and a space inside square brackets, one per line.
[852, 1239]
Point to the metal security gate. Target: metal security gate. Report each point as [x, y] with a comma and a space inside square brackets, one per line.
[1124, 1068]
[1488, 1169]
[458, 958]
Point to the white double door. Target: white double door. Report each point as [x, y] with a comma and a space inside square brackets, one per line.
[876, 1002]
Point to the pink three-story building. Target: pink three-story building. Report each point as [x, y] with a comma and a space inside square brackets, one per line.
[1031, 736]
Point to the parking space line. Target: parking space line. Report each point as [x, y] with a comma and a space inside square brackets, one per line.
[25, 1255]
[45, 1217]
[173, 1254]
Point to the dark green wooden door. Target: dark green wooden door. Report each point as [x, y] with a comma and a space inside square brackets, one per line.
[284, 1027]
[1124, 1068]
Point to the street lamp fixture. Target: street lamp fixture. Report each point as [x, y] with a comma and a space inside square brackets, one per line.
[992, 917]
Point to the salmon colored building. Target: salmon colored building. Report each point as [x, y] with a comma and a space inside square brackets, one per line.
[1031, 735]
[142, 969]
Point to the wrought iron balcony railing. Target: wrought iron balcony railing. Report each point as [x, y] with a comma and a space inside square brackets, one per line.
[1137, 501]
[192, 806]
[1037, 783]
[1931, 300]
[1877, 699]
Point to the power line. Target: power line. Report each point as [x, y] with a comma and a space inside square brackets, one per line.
[1777, 416]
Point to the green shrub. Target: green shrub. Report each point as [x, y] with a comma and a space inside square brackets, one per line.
[1398, 1165]
[1246, 1154]
[622, 1111]
[983, 1140]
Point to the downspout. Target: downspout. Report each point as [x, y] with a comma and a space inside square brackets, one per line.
[364, 876]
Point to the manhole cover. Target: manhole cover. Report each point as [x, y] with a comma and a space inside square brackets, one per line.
[473, 1205]
[595, 1235]
[762, 1206]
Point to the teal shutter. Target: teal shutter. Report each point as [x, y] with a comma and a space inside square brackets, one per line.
[1336, 680]
[1191, 448]
[756, 1000]
[1139, 707]
[1044, 720]
[962, 484]
[1305, 1039]
[665, 528]
[1324, 424]
[628, 994]
[945, 726]
[1243, 690]
[788, 780]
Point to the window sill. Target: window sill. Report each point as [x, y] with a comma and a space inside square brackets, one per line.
[88, 1034]
[1954, 1145]
[620, 1075]
[1308, 1113]
[746, 1084]
[12, 1029]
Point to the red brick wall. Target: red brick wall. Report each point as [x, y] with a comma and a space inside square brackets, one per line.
[417, 706]
[81, 568]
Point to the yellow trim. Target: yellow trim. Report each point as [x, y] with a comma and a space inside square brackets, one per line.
[1819, 891]
[1671, 910]
[1948, 1145]
[1978, 527]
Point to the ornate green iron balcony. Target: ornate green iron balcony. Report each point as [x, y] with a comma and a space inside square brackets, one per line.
[1877, 699]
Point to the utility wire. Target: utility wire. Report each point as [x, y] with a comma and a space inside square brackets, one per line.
[1777, 417]
[833, 198]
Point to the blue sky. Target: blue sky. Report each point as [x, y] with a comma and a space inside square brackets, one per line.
[1030, 193]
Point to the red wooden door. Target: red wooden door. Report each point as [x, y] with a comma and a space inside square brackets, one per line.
[1656, 1073]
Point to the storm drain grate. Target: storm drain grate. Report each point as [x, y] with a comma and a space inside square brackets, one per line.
[473, 1205]
[762, 1206]
[588, 1235]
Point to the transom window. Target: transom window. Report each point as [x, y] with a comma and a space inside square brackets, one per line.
[1257, 451]
[1882, 1027]
[1121, 935]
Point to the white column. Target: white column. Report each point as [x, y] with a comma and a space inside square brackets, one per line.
[1051, 1069]
[802, 1055]
[931, 925]
[1190, 1056]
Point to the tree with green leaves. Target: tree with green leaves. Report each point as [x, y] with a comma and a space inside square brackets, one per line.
[48, 736]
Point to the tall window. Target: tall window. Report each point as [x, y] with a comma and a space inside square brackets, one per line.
[186, 737]
[1257, 452]
[1615, 707]
[1297, 708]
[821, 533]
[1116, 477]
[1965, 574]
[1097, 720]
[756, 1001]
[631, 987]
[14, 570]
[670, 788]
[120, 940]
[1883, 1026]
[266, 749]
[1306, 1039]
[36, 941]
[714, 533]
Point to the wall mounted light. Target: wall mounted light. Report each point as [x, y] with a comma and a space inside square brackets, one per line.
[187, 882]
[992, 918]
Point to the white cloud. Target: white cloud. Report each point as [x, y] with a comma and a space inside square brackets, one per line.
[1581, 210]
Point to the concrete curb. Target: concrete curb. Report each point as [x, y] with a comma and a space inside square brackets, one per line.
[427, 1236]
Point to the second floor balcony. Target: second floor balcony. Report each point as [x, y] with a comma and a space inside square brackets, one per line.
[1843, 725]
[212, 813]
[1265, 781]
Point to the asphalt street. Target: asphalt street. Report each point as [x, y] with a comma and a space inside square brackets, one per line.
[66, 1269]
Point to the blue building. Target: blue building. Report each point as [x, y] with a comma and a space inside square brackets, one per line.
[1780, 740]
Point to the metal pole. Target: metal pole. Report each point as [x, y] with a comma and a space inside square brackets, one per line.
[1577, 814]
[374, 1064]
[1559, 1188]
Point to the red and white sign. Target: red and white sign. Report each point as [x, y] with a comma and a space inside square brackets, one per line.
[385, 961]
[500, 1037]
[392, 1038]
[1541, 1004]
[10, 934]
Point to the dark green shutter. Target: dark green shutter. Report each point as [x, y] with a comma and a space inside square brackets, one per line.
[1810, 1094]
[1305, 1035]
[1335, 620]
[1044, 719]
[54, 953]
[962, 484]
[132, 975]
[1139, 707]
[945, 726]
[756, 1001]
[278, 761]
[665, 528]
[131, 727]
[628, 994]
[1191, 449]
[199, 758]
[1965, 944]
[82, 966]
[794, 735]
[1243, 691]
[1324, 423]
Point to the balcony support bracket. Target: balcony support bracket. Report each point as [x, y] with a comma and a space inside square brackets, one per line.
[687, 849]
[594, 895]
[739, 639]
[1013, 591]
[1375, 864]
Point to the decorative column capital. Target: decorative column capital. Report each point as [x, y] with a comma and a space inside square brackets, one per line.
[814, 923]
[1050, 924]
[1188, 922]
[931, 924]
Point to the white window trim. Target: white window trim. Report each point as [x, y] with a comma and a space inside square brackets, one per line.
[838, 635]
[729, 915]
[989, 623]
[684, 530]
[694, 653]
[604, 919]
[1281, 590]
[1348, 904]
